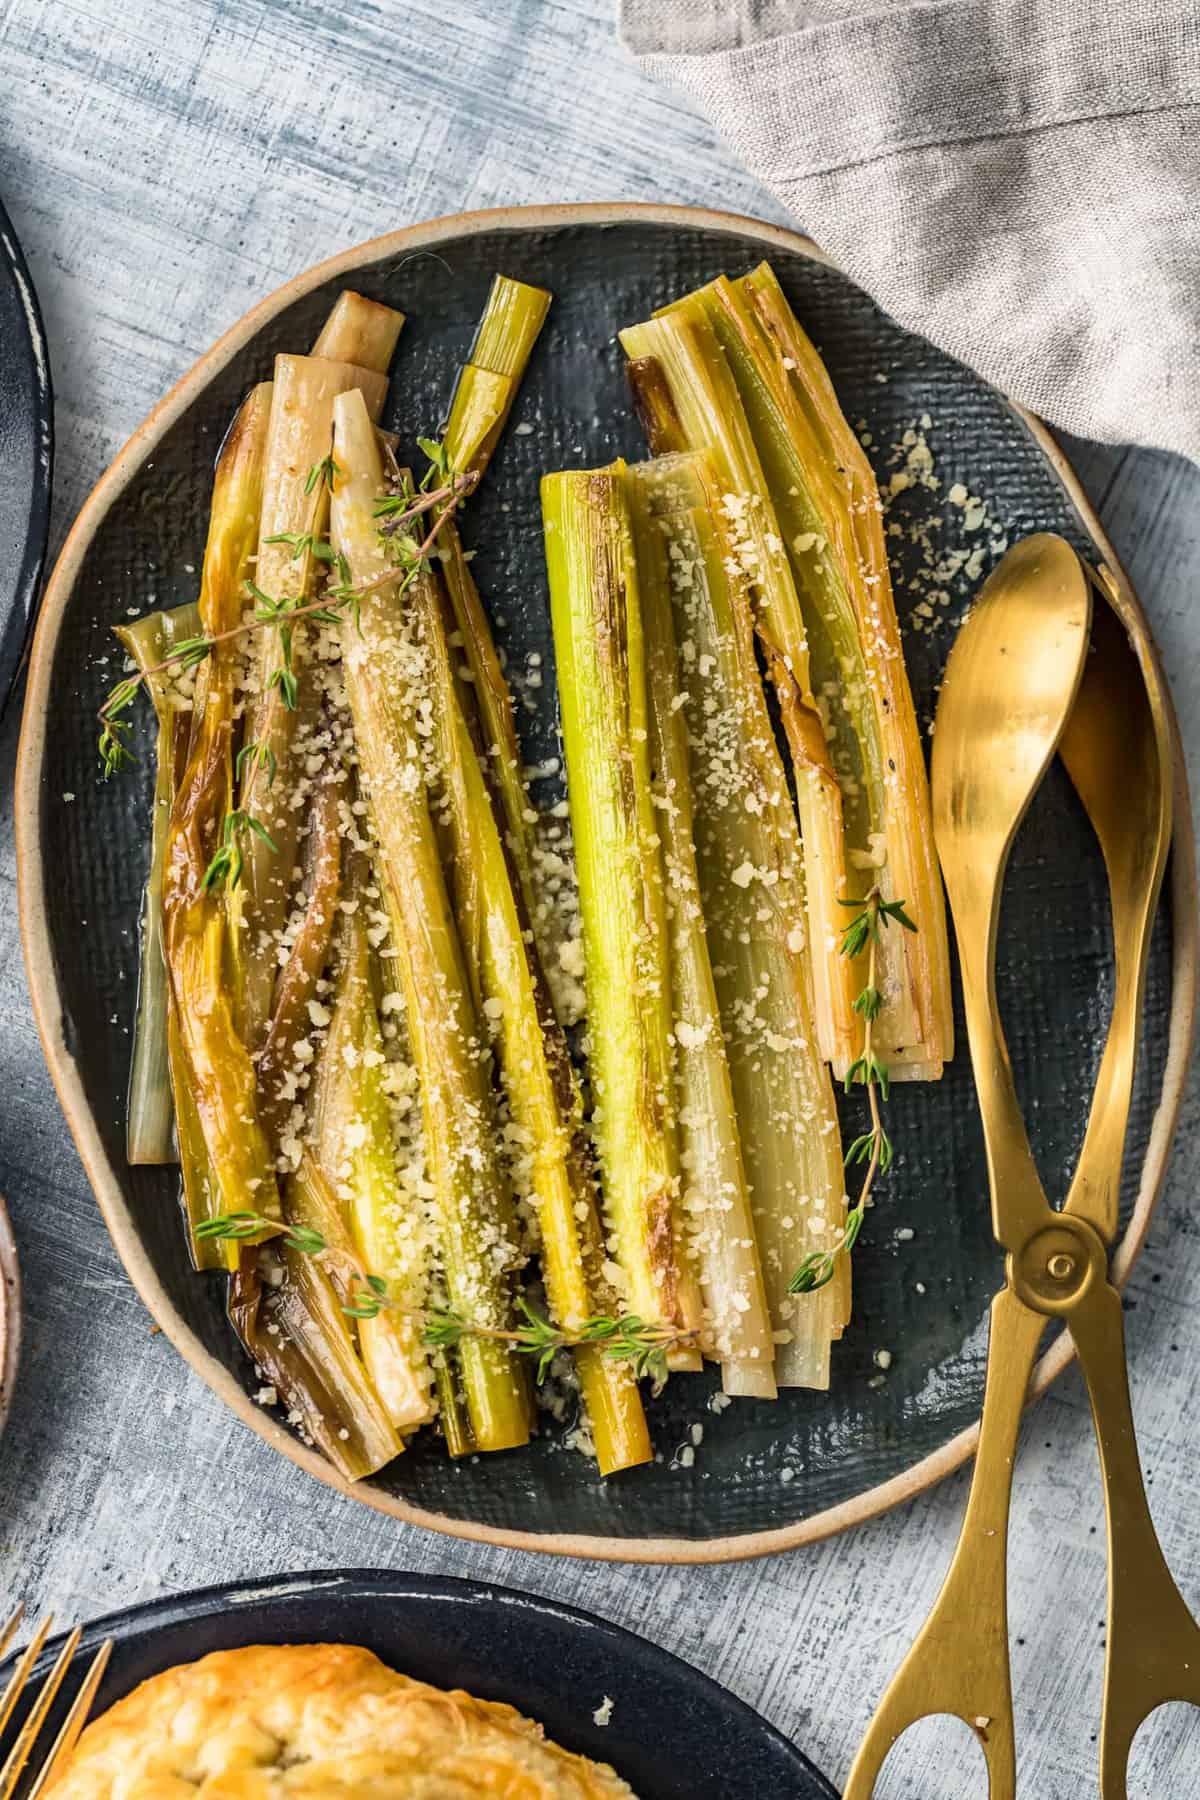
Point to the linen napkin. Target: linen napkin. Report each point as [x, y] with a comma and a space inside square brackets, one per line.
[1018, 180]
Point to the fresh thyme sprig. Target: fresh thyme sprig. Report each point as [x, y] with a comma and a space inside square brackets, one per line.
[638, 1342]
[873, 1147]
[236, 1227]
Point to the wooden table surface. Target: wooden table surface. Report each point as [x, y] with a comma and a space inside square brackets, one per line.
[165, 166]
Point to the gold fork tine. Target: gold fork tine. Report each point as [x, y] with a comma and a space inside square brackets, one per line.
[20, 1675]
[75, 1720]
[8, 1631]
[18, 1756]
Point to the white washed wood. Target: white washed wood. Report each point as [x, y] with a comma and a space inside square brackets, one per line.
[166, 165]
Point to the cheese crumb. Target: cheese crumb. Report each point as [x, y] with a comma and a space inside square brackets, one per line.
[604, 1711]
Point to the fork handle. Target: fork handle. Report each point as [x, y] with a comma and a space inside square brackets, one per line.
[959, 1662]
[1153, 1642]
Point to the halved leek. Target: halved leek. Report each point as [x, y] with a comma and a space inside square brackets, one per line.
[750, 874]
[602, 689]
[476, 1241]
[295, 1328]
[219, 1074]
[149, 1136]
[295, 508]
[824, 487]
[689, 401]
[487, 385]
[716, 1200]
[544, 1104]
[357, 1154]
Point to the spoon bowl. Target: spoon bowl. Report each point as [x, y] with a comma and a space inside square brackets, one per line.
[1008, 690]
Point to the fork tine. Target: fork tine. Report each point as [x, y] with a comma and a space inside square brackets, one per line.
[20, 1675]
[75, 1720]
[18, 1756]
[9, 1630]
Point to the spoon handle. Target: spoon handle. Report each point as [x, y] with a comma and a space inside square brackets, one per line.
[1153, 1642]
[959, 1662]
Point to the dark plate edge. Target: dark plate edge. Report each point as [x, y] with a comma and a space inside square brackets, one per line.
[10, 1314]
[25, 599]
[64, 1073]
[661, 1665]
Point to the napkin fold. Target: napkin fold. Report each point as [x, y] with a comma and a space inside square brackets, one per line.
[1018, 180]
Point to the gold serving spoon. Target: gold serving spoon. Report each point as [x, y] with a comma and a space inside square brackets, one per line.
[1019, 685]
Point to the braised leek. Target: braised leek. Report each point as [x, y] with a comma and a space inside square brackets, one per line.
[295, 512]
[716, 1200]
[602, 689]
[828, 504]
[750, 875]
[150, 1135]
[475, 1231]
[216, 1064]
[545, 1111]
[488, 383]
[689, 401]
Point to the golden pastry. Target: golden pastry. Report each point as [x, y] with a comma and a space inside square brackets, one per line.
[317, 1722]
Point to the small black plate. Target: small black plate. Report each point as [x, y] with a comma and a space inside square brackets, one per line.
[26, 452]
[673, 1733]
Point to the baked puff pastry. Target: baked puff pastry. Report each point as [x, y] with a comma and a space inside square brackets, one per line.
[317, 1722]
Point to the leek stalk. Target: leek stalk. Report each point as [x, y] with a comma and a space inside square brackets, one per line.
[301, 1339]
[294, 504]
[716, 1200]
[749, 868]
[215, 1064]
[488, 383]
[602, 689]
[825, 493]
[475, 1230]
[689, 401]
[150, 1136]
[544, 1103]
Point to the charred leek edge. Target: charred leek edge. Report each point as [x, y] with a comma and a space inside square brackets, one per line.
[357, 1154]
[487, 384]
[309, 954]
[534, 1064]
[749, 866]
[470, 1198]
[213, 1063]
[150, 1134]
[602, 689]
[298, 441]
[689, 401]
[835, 477]
[303, 1344]
[716, 1200]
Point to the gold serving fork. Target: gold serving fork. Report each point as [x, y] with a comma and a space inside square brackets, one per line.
[1021, 684]
[15, 1762]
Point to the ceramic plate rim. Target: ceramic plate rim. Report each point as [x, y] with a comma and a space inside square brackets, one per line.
[65, 1073]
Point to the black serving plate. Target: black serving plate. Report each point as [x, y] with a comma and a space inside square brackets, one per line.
[26, 449]
[764, 1476]
[673, 1734]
